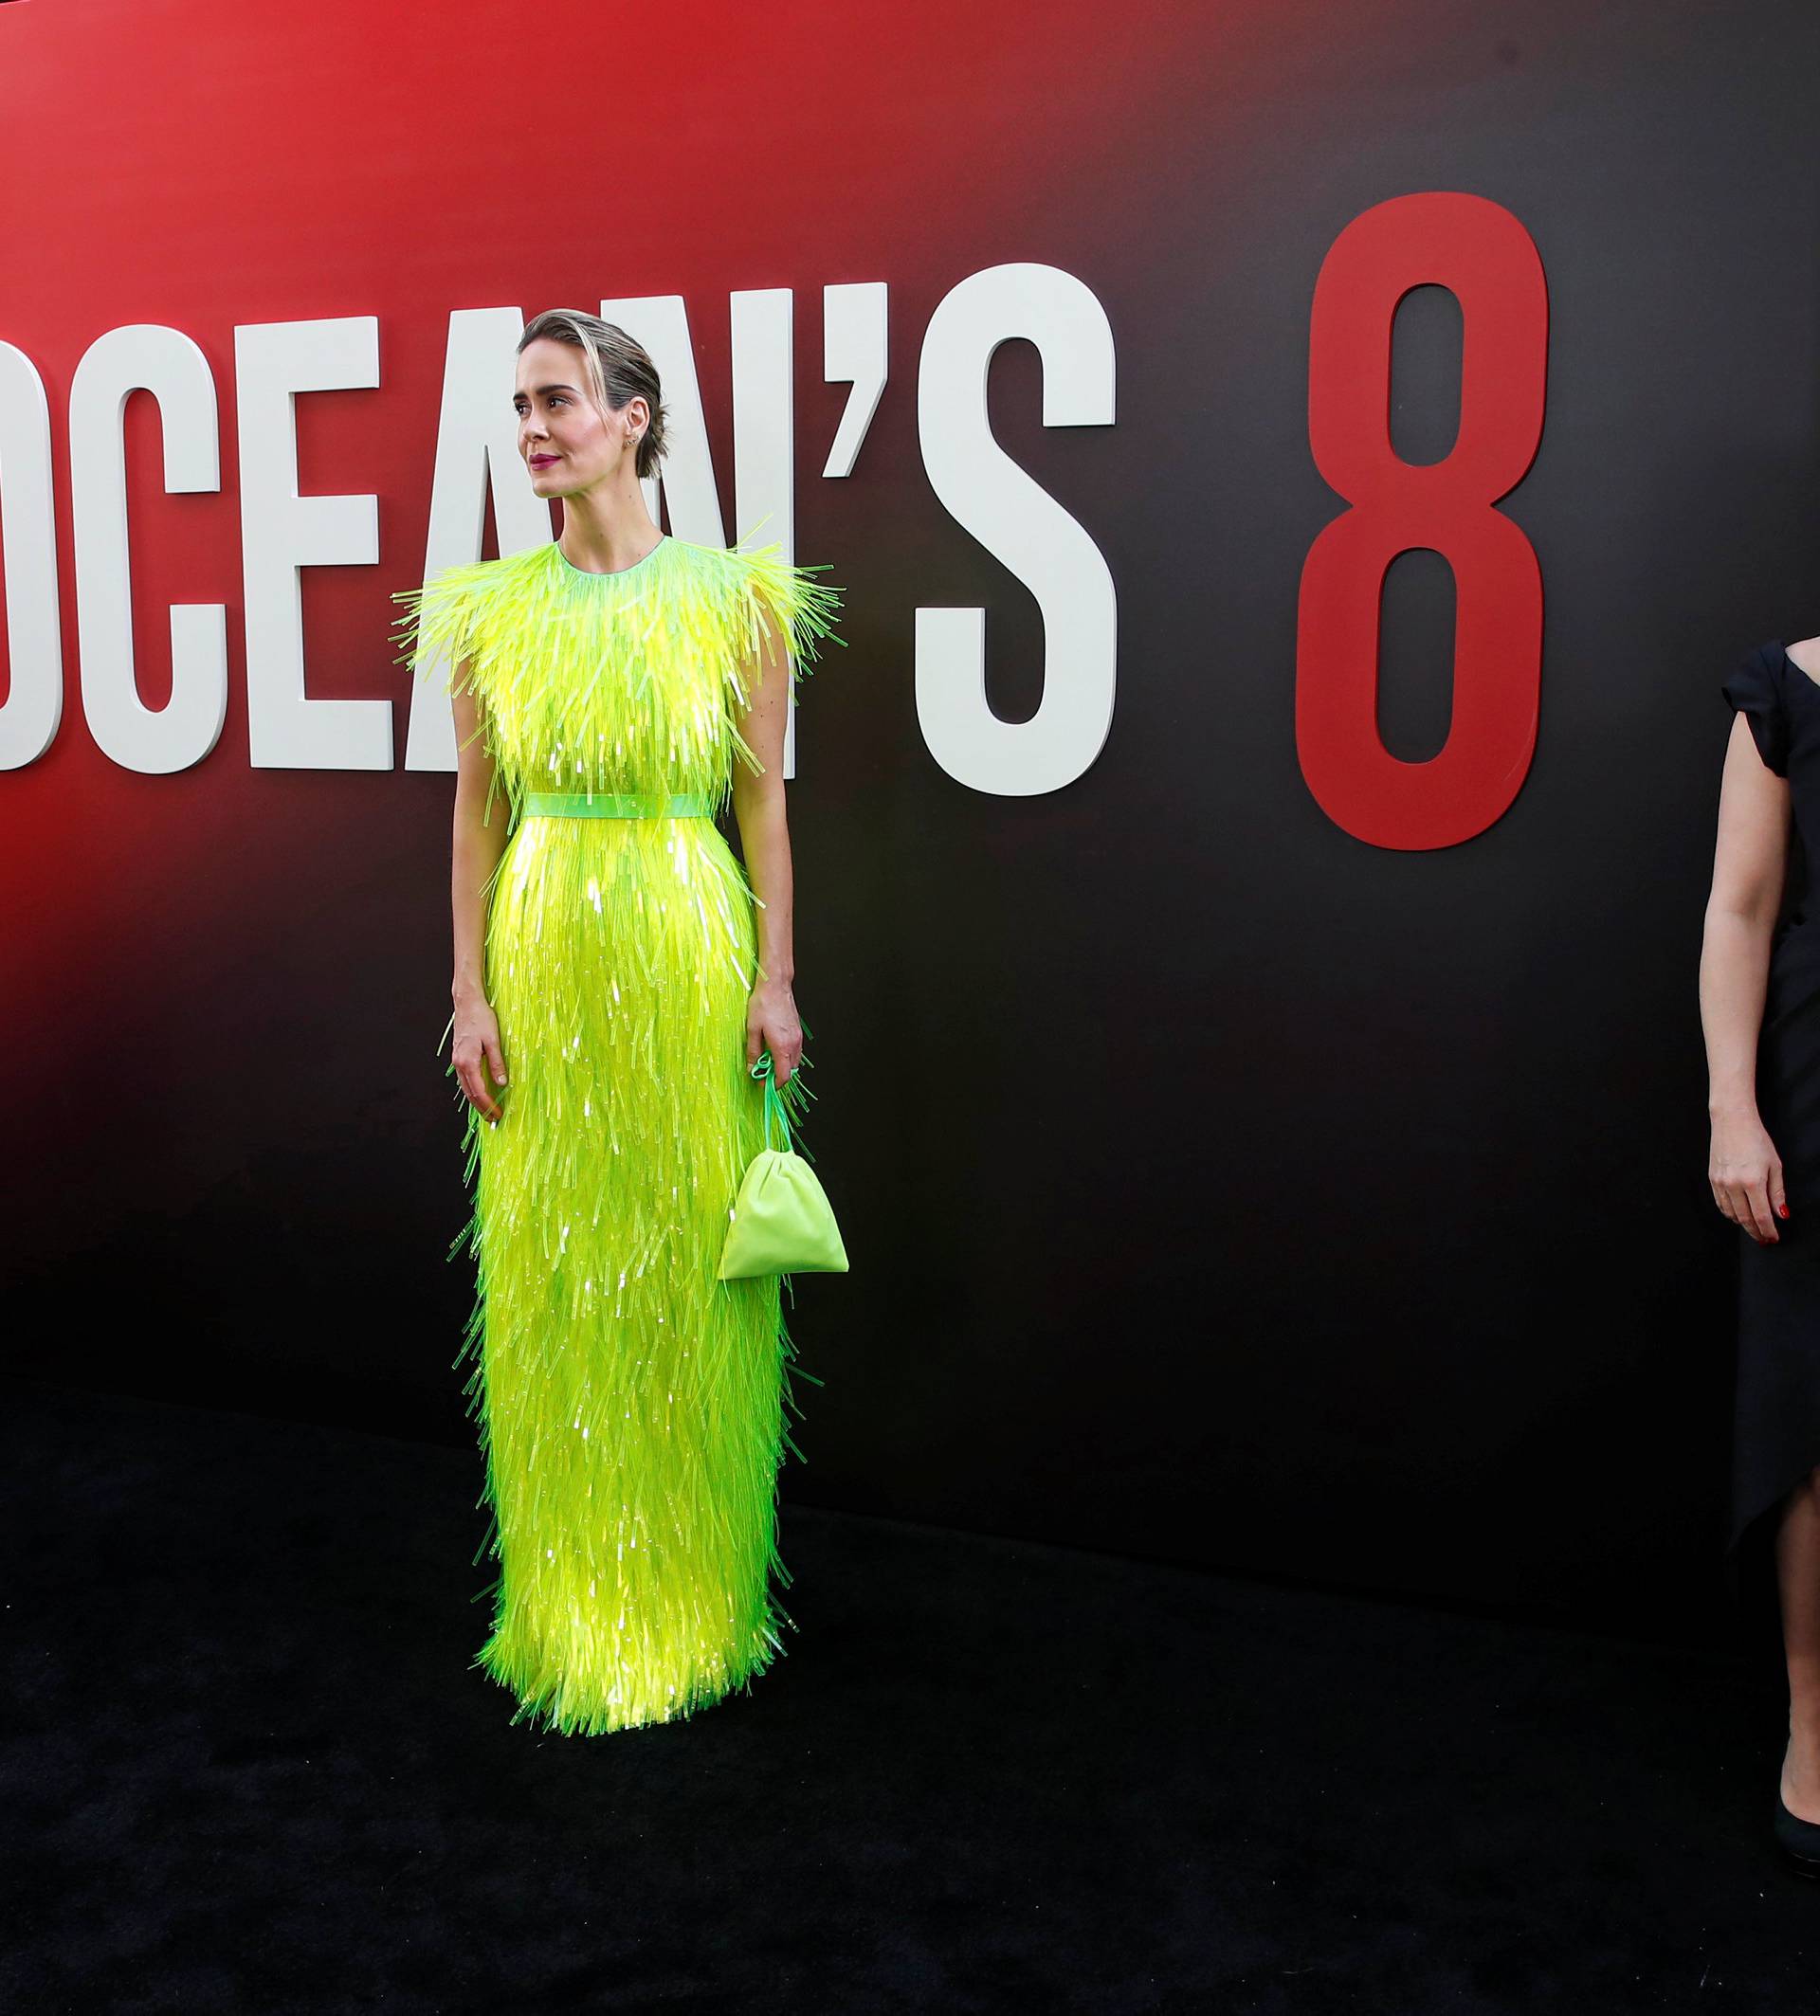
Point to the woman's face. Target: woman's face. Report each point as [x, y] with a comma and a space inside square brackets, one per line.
[566, 442]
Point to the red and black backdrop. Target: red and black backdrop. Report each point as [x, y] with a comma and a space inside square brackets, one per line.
[1256, 1034]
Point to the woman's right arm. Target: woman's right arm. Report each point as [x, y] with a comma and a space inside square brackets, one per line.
[1749, 863]
[475, 854]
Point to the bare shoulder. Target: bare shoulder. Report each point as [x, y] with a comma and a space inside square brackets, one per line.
[1807, 656]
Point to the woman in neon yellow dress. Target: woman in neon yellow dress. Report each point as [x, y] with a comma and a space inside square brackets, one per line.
[617, 972]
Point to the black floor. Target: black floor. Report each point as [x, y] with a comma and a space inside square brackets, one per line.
[247, 1767]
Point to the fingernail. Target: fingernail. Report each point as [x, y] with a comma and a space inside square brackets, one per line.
[1781, 1210]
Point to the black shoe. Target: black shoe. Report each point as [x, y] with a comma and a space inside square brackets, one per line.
[1799, 1840]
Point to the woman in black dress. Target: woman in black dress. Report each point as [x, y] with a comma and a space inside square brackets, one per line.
[1760, 1000]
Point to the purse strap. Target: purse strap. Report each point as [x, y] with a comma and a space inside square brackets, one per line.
[774, 1100]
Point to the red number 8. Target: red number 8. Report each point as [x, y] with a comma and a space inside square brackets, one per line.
[1486, 258]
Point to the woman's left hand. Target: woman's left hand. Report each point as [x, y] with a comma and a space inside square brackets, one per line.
[771, 1025]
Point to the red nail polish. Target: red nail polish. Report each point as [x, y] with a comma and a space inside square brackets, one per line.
[1782, 1211]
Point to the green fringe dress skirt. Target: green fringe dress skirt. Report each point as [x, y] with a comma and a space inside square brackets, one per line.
[629, 1404]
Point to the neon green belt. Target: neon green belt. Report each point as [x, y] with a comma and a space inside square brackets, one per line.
[616, 805]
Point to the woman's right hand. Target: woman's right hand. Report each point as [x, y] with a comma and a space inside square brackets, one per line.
[1746, 1175]
[477, 1049]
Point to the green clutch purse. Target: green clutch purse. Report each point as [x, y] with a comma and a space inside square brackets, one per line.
[782, 1221]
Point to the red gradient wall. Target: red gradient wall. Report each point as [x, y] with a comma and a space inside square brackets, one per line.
[1204, 1164]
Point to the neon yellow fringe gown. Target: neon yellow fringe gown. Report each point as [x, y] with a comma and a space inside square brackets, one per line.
[629, 1403]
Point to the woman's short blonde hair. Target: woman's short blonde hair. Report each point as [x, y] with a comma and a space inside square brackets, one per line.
[617, 370]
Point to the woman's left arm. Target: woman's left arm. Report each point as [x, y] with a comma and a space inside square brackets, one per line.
[771, 1021]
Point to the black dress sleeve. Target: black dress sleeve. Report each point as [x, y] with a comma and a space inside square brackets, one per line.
[1755, 690]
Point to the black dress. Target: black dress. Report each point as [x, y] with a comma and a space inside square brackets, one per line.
[1775, 1435]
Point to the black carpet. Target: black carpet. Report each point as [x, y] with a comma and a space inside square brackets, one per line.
[248, 1769]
